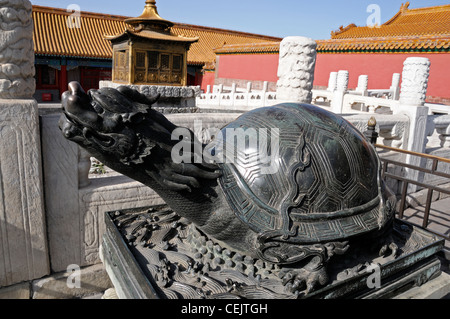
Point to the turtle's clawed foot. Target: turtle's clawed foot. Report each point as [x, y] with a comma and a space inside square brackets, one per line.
[305, 280]
[389, 248]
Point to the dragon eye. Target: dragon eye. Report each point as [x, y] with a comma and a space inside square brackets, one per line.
[98, 108]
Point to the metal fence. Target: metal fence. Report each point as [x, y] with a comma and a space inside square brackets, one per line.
[436, 163]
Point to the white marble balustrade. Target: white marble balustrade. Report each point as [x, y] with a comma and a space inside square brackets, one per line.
[233, 98]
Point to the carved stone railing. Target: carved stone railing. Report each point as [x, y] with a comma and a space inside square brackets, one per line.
[353, 103]
[392, 93]
[336, 98]
[440, 109]
[358, 103]
[234, 99]
[322, 97]
[393, 130]
[439, 125]
[170, 96]
[339, 99]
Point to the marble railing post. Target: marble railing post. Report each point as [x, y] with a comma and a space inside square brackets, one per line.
[342, 81]
[332, 81]
[337, 103]
[395, 86]
[414, 81]
[442, 127]
[84, 166]
[363, 84]
[296, 69]
[412, 100]
[23, 242]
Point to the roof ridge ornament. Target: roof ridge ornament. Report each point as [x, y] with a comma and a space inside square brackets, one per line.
[150, 18]
[342, 29]
[151, 5]
[404, 7]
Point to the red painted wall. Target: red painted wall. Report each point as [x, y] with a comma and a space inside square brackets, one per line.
[207, 79]
[380, 67]
[251, 67]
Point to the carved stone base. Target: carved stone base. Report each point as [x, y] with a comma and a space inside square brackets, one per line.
[152, 253]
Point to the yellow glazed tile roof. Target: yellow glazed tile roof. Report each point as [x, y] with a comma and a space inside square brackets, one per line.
[54, 36]
[152, 35]
[399, 44]
[421, 29]
[263, 47]
[430, 21]
[410, 30]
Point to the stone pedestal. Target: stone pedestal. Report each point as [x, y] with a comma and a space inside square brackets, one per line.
[141, 268]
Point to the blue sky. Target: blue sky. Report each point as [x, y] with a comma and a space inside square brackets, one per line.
[280, 18]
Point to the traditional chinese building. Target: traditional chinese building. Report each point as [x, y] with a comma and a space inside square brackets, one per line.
[374, 51]
[148, 52]
[77, 50]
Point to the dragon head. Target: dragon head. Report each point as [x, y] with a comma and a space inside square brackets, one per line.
[119, 128]
[116, 124]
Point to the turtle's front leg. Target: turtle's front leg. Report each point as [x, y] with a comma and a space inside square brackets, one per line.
[388, 247]
[314, 274]
[307, 279]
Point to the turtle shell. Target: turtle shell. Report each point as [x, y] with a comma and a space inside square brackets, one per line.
[310, 177]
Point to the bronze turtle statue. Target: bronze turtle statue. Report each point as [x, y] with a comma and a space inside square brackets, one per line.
[316, 191]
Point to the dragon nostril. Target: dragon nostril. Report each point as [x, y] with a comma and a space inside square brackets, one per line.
[117, 118]
[87, 132]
